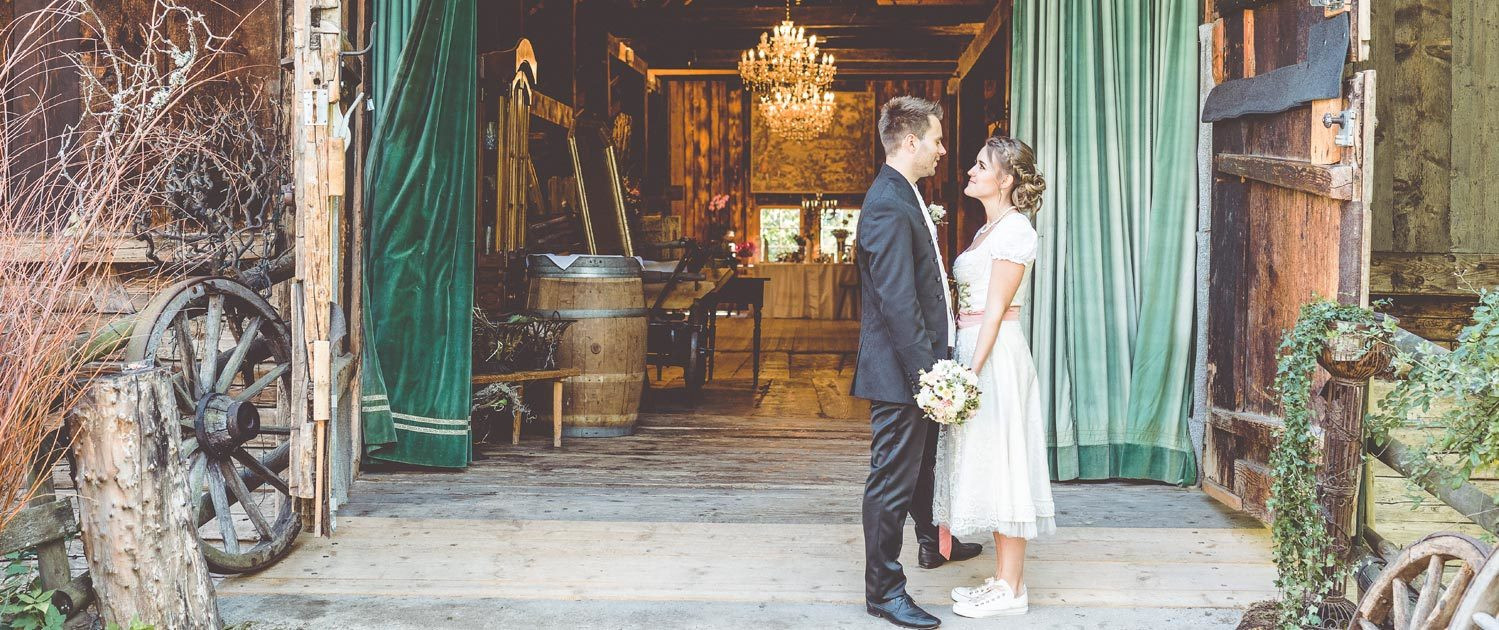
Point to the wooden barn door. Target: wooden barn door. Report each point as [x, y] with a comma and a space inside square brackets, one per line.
[1288, 215]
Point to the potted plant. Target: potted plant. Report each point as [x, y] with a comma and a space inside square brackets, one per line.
[1310, 570]
[746, 251]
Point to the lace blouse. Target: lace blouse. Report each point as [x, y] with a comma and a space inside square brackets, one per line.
[1012, 239]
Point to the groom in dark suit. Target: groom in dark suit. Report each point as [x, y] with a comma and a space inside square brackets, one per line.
[907, 326]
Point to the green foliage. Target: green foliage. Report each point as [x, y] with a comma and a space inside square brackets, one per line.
[1464, 436]
[1304, 557]
[23, 604]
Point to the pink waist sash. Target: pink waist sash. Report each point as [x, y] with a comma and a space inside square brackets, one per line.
[969, 319]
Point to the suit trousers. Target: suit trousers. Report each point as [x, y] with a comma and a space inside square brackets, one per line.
[903, 452]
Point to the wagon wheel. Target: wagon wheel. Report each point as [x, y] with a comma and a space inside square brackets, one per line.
[226, 351]
[695, 367]
[1410, 593]
[1480, 605]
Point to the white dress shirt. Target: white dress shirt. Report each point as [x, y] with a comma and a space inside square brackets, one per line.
[952, 324]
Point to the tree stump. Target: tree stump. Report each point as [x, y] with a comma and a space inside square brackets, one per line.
[134, 511]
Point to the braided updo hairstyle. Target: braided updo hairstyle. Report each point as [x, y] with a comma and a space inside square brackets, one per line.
[1019, 159]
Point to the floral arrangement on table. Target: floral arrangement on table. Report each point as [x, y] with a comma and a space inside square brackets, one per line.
[746, 250]
[949, 392]
[795, 256]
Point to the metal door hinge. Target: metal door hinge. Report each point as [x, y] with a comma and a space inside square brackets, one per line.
[1344, 120]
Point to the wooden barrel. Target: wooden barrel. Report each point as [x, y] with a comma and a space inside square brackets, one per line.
[603, 293]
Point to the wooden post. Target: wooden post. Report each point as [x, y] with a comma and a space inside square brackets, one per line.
[1351, 362]
[134, 507]
[318, 165]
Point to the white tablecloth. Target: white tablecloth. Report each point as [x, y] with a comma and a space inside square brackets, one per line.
[806, 290]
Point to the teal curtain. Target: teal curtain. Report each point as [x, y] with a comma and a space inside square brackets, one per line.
[418, 272]
[1105, 91]
[393, 19]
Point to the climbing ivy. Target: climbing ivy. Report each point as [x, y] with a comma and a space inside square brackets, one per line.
[1304, 557]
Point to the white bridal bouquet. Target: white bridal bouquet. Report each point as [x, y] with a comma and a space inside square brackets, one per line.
[949, 392]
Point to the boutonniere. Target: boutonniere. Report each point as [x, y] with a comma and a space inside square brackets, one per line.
[936, 212]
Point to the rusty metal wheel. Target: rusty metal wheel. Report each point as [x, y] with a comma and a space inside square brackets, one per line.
[1422, 588]
[230, 356]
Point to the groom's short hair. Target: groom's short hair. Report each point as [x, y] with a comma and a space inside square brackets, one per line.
[905, 114]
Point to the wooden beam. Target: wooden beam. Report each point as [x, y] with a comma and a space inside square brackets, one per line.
[1224, 6]
[1466, 498]
[1432, 274]
[640, 22]
[38, 525]
[621, 50]
[729, 56]
[1330, 180]
[845, 71]
[980, 43]
[552, 110]
[928, 3]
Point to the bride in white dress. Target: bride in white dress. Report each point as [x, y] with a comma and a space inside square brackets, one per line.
[991, 471]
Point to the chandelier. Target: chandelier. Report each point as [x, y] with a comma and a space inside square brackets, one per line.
[792, 79]
[797, 118]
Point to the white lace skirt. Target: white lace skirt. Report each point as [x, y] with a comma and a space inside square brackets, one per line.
[991, 470]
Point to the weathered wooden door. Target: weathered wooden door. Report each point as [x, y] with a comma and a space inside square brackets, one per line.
[1291, 124]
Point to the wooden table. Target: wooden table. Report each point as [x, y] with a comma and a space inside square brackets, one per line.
[741, 291]
[804, 290]
[555, 376]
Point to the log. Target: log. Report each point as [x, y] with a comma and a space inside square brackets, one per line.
[1467, 498]
[137, 523]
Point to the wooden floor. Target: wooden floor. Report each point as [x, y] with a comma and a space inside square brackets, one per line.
[740, 495]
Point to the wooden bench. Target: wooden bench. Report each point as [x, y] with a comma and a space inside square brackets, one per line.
[555, 376]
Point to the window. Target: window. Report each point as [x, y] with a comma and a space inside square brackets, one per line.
[833, 220]
[779, 228]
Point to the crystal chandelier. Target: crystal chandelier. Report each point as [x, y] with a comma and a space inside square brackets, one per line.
[792, 79]
[797, 117]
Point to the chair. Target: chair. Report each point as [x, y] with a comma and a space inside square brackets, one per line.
[847, 291]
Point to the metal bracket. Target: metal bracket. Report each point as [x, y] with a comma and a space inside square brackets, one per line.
[1344, 120]
[1330, 5]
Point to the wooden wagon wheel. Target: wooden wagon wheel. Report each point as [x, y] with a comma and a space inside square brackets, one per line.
[1392, 601]
[1480, 605]
[694, 349]
[228, 350]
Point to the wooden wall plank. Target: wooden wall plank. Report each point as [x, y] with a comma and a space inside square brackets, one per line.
[1475, 131]
[1432, 274]
[1418, 126]
[1228, 278]
[676, 150]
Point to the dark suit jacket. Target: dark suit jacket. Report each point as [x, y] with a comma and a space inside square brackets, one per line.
[904, 325]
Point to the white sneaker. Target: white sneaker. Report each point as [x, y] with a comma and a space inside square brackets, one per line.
[999, 600]
[970, 593]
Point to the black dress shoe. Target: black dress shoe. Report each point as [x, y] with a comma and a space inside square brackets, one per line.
[931, 557]
[903, 611]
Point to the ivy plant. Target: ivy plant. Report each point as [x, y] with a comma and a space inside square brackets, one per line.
[24, 605]
[1304, 559]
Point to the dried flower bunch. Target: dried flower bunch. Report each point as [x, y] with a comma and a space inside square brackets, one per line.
[72, 191]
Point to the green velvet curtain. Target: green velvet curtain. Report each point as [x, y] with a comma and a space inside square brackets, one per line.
[1106, 92]
[418, 272]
